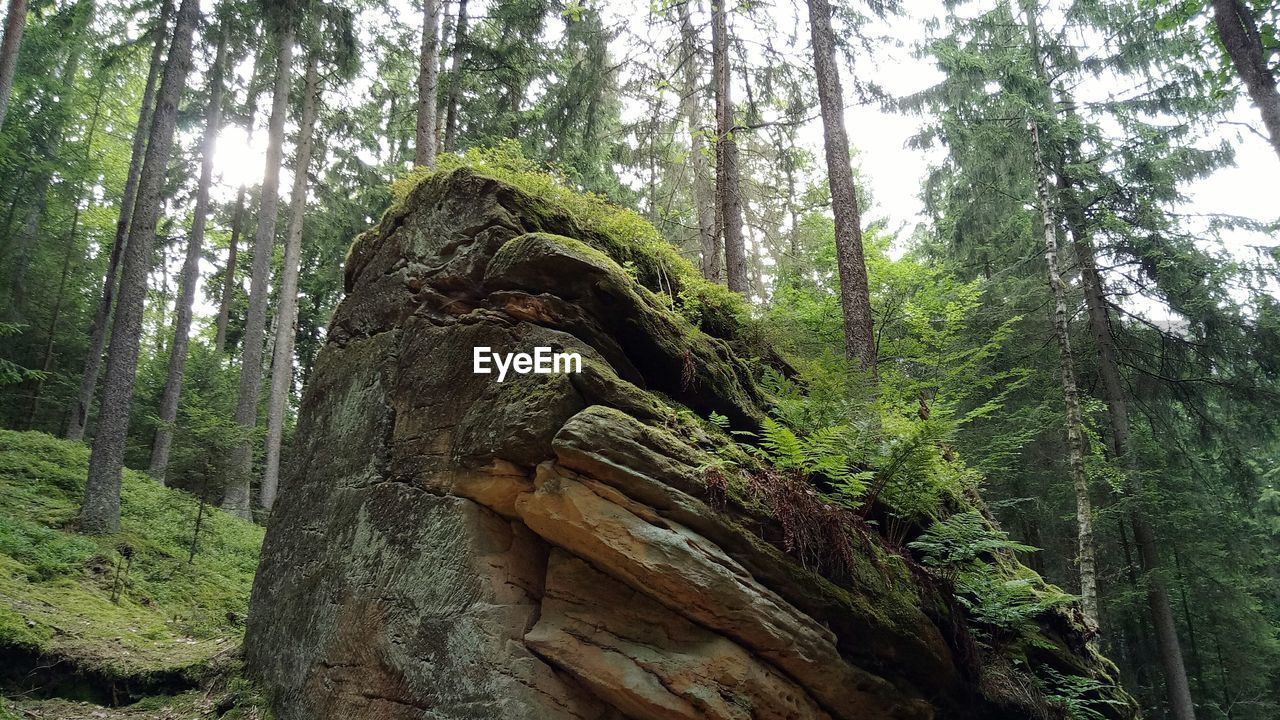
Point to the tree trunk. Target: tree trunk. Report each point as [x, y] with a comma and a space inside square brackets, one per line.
[235, 499]
[455, 79]
[20, 260]
[78, 412]
[101, 510]
[237, 226]
[287, 313]
[229, 281]
[703, 190]
[855, 294]
[70, 252]
[15, 23]
[1238, 30]
[190, 274]
[1167, 644]
[728, 190]
[1075, 421]
[428, 67]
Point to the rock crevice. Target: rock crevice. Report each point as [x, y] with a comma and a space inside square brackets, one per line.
[450, 547]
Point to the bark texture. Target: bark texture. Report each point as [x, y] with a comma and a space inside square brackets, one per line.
[78, 412]
[1085, 557]
[428, 77]
[728, 185]
[190, 276]
[287, 312]
[235, 499]
[855, 294]
[455, 79]
[101, 510]
[229, 278]
[10, 46]
[704, 194]
[1238, 30]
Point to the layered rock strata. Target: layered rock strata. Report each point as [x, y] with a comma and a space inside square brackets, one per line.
[446, 546]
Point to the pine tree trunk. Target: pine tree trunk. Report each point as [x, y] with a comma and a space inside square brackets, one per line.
[235, 499]
[703, 190]
[428, 67]
[287, 314]
[20, 260]
[855, 295]
[728, 190]
[15, 24]
[455, 79]
[70, 252]
[442, 69]
[229, 280]
[237, 225]
[1075, 420]
[190, 275]
[78, 412]
[101, 510]
[1238, 30]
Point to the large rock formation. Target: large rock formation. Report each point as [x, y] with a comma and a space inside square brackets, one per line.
[447, 546]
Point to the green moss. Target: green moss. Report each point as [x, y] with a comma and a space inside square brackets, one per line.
[623, 235]
[56, 585]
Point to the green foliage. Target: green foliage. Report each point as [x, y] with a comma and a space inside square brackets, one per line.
[56, 585]
[1002, 597]
[1083, 698]
[620, 233]
[820, 454]
[12, 373]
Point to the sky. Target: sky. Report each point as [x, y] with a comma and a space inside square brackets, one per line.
[893, 171]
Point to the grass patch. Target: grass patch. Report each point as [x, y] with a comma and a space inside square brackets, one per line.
[56, 585]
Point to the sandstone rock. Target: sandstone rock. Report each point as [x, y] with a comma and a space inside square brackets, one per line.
[446, 547]
[692, 576]
[652, 663]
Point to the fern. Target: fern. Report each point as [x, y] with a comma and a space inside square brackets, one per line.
[1082, 697]
[964, 547]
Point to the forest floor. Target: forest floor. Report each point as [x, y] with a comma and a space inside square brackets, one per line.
[121, 626]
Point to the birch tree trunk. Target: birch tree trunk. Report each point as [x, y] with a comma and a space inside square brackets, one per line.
[287, 314]
[1075, 422]
[703, 189]
[101, 510]
[728, 190]
[428, 68]
[235, 499]
[1168, 646]
[78, 412]
[190, 274]
[15, 24]
[1238, 30]
[855, 294]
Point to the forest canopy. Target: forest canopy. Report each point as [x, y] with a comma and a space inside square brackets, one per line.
[1021, 249]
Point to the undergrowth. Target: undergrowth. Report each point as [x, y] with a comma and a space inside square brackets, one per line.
[124, 603]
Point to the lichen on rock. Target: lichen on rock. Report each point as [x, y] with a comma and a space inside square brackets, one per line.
[449, 547]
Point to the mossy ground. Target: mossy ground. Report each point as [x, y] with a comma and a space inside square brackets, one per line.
[171, 617]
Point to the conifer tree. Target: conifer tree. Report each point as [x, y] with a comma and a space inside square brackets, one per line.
[100, 512]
